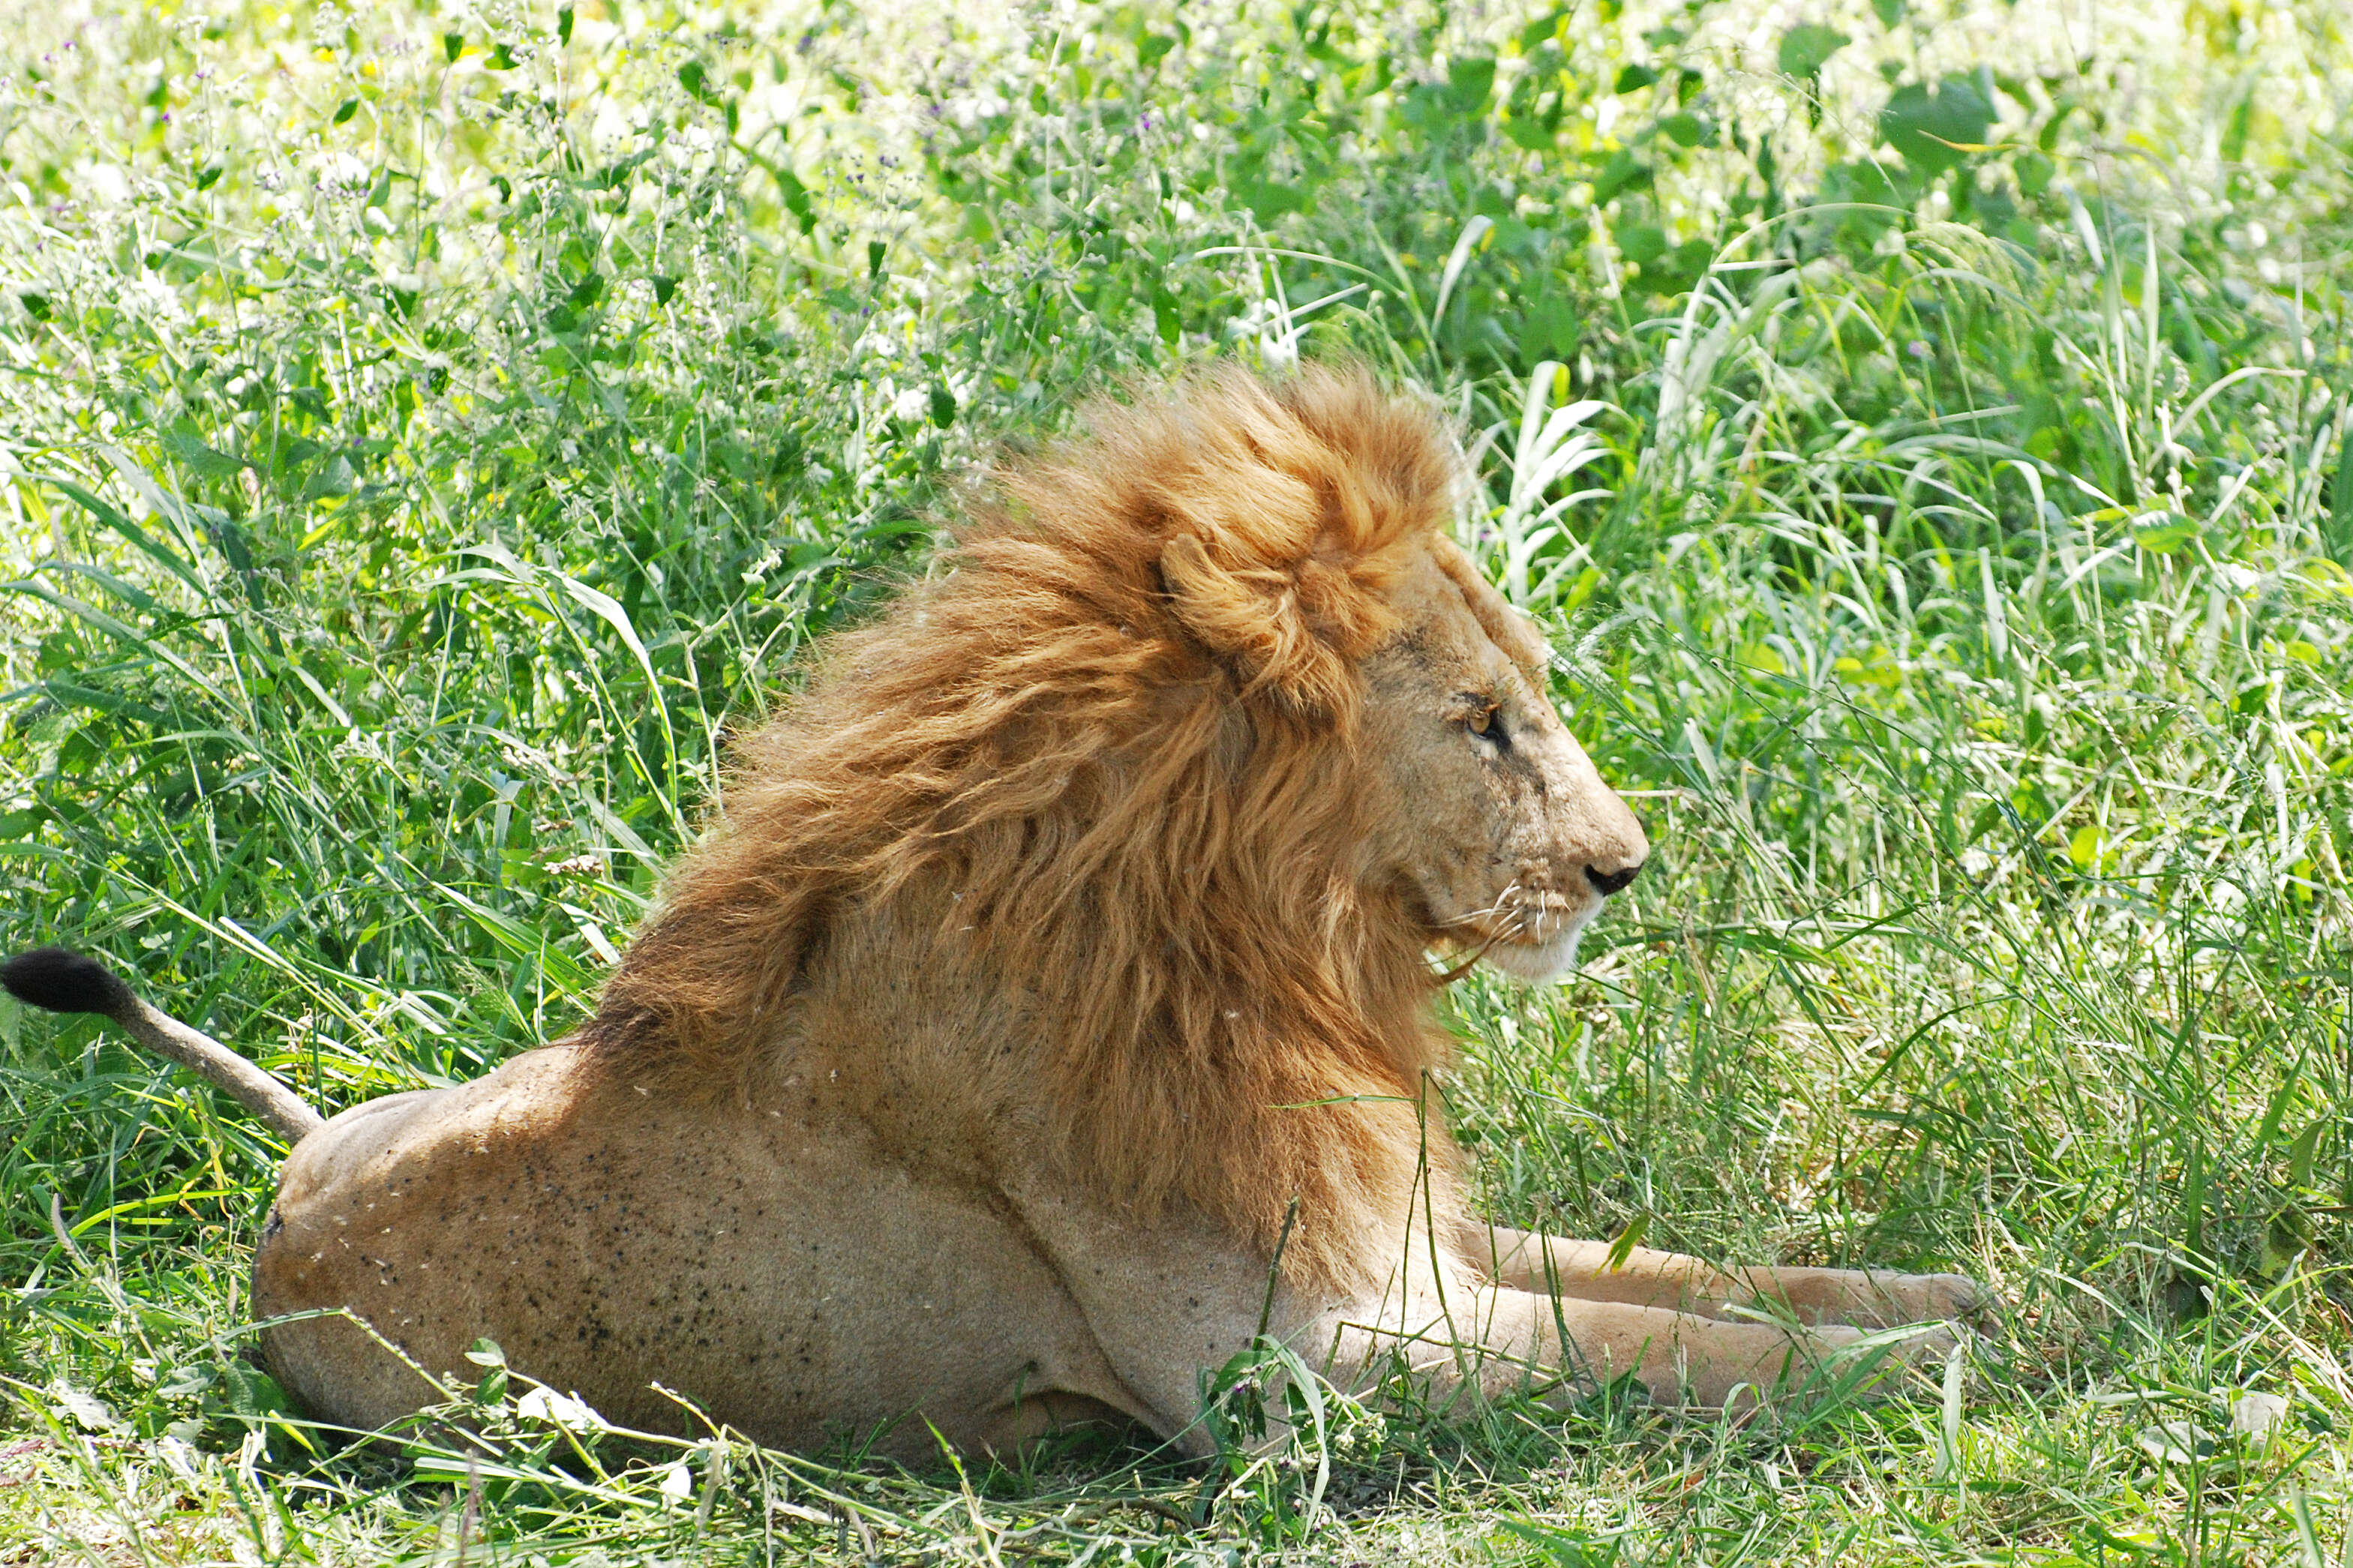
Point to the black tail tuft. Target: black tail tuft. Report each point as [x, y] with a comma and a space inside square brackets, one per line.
[64, 980]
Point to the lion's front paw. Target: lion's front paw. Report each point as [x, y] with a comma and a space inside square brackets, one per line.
[1867, 1299]
[1833, 1359]
[1880, 1357]
[1931, 1298]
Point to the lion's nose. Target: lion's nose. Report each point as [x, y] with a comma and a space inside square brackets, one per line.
[1609, 882]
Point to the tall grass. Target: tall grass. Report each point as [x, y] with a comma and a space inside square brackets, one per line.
[425, 437]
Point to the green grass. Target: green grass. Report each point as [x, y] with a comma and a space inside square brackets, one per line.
[423, 436]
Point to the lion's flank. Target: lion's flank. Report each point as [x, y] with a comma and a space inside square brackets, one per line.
[1102, 771]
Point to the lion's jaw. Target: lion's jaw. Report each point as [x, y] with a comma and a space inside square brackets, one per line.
[1513, 840]
[1541, 960]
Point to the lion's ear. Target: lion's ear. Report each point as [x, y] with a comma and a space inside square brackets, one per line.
[1253, 620]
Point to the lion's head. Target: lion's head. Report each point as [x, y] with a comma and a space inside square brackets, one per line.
[1490, 812]
[1204, 739]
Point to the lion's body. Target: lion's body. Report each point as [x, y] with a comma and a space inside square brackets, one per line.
[609, 1246]
[1072, 926]
[827, 1253]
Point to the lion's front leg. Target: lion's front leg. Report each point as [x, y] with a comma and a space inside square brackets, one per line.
[1494, 1338]
[1558, 1265]
[1868, 1298]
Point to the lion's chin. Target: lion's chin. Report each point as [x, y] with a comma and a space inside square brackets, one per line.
[1539, 963]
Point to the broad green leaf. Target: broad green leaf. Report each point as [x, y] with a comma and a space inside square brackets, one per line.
[1932, 125]
[1807, 48]
[2165, 537]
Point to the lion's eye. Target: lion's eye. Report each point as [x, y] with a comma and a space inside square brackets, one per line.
[1487, 723]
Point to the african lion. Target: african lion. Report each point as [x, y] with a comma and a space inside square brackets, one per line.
[1073, 922]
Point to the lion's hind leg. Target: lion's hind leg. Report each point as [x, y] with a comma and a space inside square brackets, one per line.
[1858, 1298]
[1022, 1424]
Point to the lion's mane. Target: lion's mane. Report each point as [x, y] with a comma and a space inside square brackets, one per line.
[1121, 724]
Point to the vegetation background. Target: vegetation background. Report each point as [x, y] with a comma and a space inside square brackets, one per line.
[425, 432]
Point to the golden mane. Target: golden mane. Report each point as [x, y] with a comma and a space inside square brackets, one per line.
[1120, 726]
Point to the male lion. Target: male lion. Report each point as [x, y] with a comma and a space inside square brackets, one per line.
[1071, 927]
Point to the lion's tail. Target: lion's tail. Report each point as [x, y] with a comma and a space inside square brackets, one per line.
[64, 980]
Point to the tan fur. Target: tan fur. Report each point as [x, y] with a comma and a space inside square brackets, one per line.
[1075, 921]
[1121, 729]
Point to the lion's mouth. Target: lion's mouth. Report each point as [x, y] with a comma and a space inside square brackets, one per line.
[1531, 938]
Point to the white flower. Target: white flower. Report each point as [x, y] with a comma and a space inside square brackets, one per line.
[969, 111]
[912, 405]
[163, 300]
[677, 1482]
[102, 184]
[340, 173]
